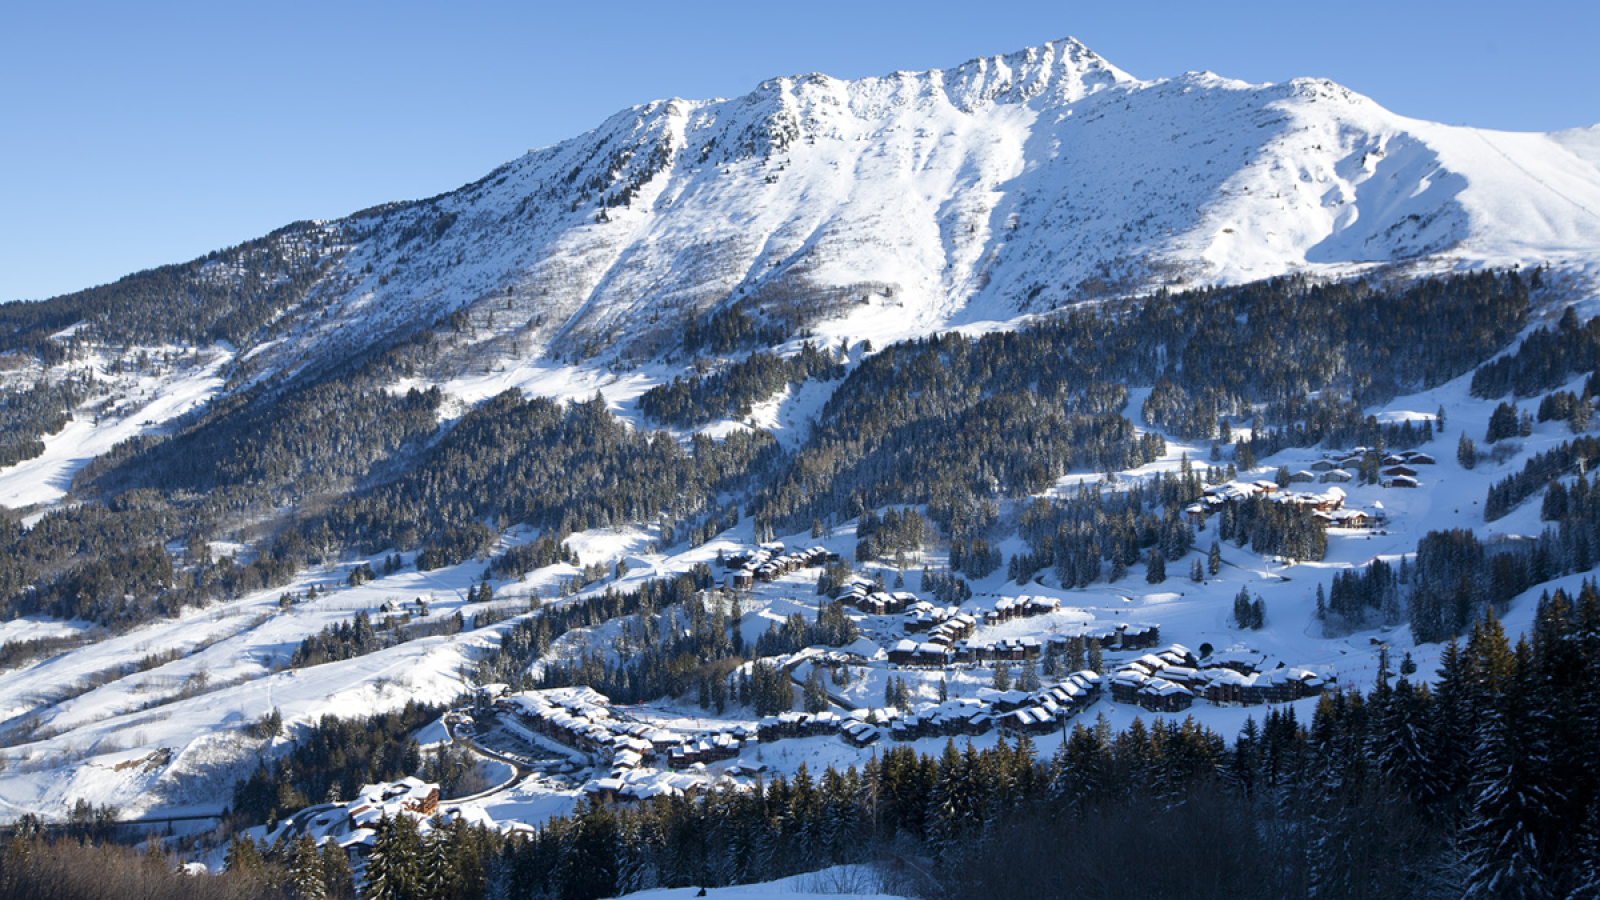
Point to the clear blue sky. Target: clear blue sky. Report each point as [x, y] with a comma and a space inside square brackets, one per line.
[137, 134]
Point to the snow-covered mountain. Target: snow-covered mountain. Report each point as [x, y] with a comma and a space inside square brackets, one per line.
[1003, 186]
[883, 208]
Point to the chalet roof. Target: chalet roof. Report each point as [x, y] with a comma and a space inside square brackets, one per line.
[1164, 688]
[1223, 675]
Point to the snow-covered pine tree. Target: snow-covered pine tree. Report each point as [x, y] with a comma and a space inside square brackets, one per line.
[306, 878]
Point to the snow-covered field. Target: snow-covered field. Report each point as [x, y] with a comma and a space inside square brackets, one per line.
[843, 883]
[142, 405]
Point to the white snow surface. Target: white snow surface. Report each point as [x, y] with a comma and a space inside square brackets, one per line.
[842, 883]
[144, 405]
[889, 207]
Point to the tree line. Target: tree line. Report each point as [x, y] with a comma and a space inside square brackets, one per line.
[1479, 785]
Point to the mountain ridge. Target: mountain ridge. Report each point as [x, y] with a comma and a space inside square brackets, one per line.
[1007, 185]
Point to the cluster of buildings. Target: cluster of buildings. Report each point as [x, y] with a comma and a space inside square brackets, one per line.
[874, 601]
[770, 562]
[632, 753]
[1327, 506]
[380, 801]
[950, 643]
[1008, 608]
[948, 623]
[1170, 681]
[793, 724]
[1395, 469]
[930, 654]
[1018, 712]
[353, 825]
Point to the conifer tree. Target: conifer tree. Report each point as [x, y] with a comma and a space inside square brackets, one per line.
[1155, 571]
[307, 881]
[394, 868]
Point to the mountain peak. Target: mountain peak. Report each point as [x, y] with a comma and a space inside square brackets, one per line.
[1008, 184]
[1062, 71]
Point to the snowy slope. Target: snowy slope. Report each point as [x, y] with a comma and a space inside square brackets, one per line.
[1002, 186]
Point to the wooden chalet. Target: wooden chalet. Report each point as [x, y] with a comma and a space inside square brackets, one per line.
[1160, 695]
[1137, 637]
[1126, 684]
[1224, 686]
[859, 734]
[1028, 720]
[919, 655]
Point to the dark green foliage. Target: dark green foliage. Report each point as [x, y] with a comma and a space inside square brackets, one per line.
[346, 640]
[546, 550]
[566, 467]
[1568, 407]
[269, 726]
[1378, 797]
[1544, 360]
[1502, 423]
[709, 635]
[333, 759]
[34, 866]
[1247, 613]
[1280, 529]
[228, 295]
[770, 691]
[945, 589]
[732, 392]
[834, 577]
[1540, 470]
[27, 416]
[730, 329]
[313, 438]
[1362, 598]
[1449, 584]
[1467, 452]
[894, 535]
[1155, 567]
[974, 556]
[1274, 340]
[1470, 787]
[833, 628]
[951, 424]
[1457, 577]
